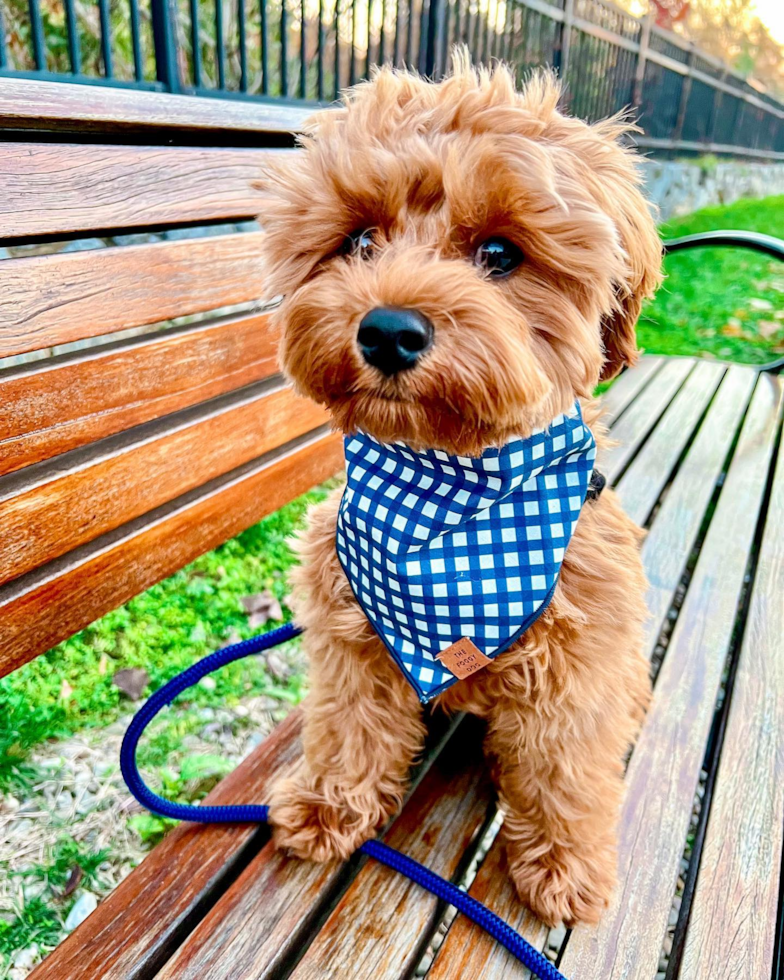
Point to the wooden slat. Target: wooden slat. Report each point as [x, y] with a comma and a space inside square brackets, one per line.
[665, 765]
[637, 421]
[56, 299]
[69, 501]
[39, 610]
[437, 829]
[55, 188]
[468, 951]
[626, 388]
[145, 918]
[648, 473]
[266, 918]
[58, 404]
[732, 928]
[27, 103]
[668, 545]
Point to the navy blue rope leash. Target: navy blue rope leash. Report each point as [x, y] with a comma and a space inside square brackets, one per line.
[255, 813]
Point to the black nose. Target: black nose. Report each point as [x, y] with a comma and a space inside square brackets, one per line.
[392, 338]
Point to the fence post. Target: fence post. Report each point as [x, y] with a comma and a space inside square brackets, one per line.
[642, 56]
[165, 38]
[435, 21]
[685, 93]
[718, 98]
[566, 40]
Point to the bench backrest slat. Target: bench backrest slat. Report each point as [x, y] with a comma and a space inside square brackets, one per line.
[57, 404]
[59, 299]
[64, 188]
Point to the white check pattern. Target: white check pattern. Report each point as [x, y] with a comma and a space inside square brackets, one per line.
[439, 547]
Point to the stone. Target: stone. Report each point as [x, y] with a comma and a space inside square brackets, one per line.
[84, 905]
[25, 959]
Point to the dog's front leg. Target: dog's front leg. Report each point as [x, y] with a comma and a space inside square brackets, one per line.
[363, 730]
[561, 794]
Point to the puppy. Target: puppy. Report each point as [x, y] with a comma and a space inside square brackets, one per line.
[510, 248]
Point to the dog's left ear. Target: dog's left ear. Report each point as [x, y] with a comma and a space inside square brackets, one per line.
[615, 168]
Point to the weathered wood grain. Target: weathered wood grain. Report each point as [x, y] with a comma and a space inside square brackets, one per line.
[676, 525]
[73, 499]
[25, 103]
[59, 404]
[266, 918]
[665, 765]
[145, 918]
[39, 610]
[640, 417]
[627, 387]
[468, 951]
[55, 299]
[732, 929]
[650, 470]
[436, 828]
[57, 188]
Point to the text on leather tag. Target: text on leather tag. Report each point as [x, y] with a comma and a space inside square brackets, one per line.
[463, 658]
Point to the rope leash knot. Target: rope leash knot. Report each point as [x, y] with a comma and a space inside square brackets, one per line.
[445, 890]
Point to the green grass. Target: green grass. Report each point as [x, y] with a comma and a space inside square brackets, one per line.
[719, 302]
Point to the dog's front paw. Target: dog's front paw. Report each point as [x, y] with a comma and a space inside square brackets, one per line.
[563, 886]
[309, 826]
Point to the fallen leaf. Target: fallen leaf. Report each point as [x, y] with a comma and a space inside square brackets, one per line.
[72, 884]
[103, 664]
[261, 607]
[131, 681]
[768, 328]
[732, 328]
[760, 304]
[65, 691]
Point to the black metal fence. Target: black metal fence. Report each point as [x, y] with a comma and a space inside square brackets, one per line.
[309, 49]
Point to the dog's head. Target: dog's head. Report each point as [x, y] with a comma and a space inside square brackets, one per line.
[458, 261]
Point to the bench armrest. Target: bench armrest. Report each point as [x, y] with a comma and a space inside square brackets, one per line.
[754, 240]
[732, 239]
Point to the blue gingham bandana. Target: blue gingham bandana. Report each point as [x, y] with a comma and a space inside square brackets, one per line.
[454, 556]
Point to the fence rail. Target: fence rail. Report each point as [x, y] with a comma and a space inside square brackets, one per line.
[307, 50]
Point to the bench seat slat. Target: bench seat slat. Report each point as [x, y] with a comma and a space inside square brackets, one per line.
[671, 538]
[437, 828]
[56, 299]
[468, 951]
[638, 420]
[137, 926]
[732, 928]
[59, 404]
[665, 765]
[61, 188]
[628, 386]
[74, 500]
[648, 473]
[39, 610]
[264, 920]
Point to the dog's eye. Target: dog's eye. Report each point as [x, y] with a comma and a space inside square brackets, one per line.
[358, 243]
[498, 256]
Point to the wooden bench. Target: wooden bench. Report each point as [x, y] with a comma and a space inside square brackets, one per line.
[122, 462]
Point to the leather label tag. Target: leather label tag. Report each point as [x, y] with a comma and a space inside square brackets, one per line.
[463, 658]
